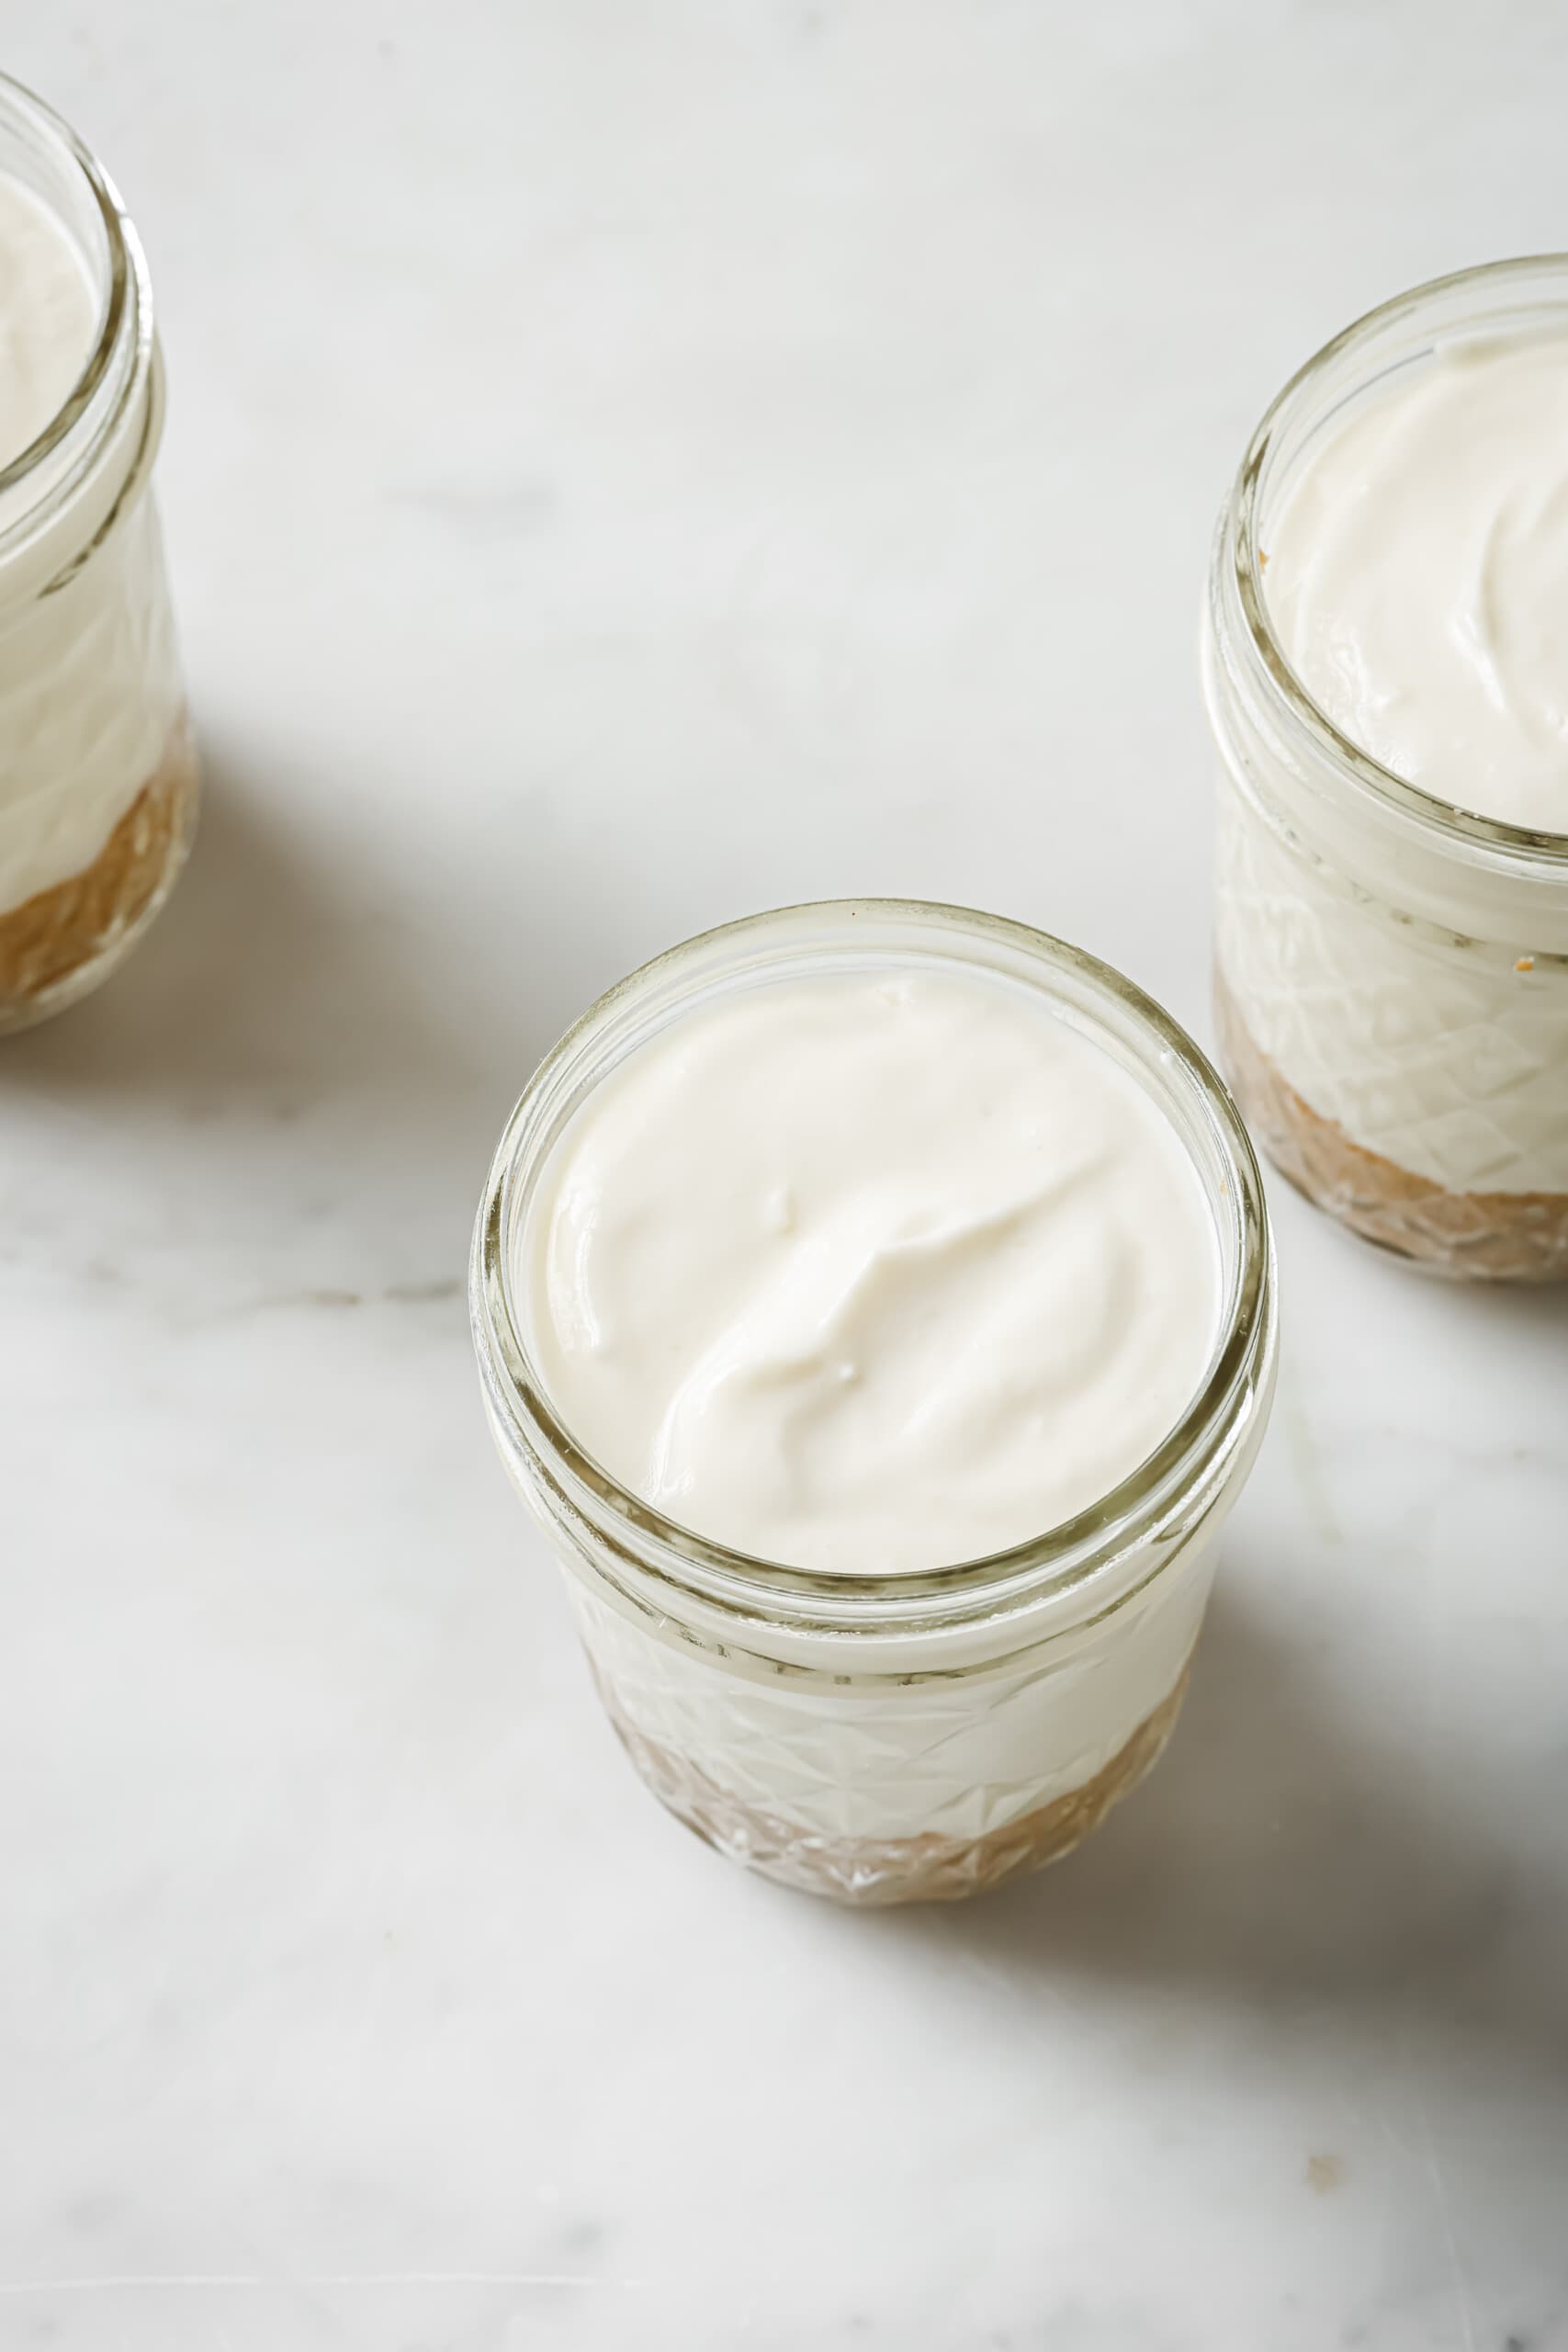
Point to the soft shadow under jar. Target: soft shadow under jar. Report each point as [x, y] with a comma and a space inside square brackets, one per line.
[859, 1727]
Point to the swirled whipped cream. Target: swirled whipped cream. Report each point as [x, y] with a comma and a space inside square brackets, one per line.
[870, 1271]
[1418, 576]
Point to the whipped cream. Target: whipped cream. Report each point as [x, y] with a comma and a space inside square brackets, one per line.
[870, 1271]
[48, 317]
[1418, 576]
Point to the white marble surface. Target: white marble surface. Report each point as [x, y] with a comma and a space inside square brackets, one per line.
[626, 466]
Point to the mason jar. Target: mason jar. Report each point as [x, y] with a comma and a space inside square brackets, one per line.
[99, 779]
[1391, 972]
[878, 1738]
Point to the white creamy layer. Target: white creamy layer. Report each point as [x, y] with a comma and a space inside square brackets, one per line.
[48, 317]
[1447, 1058]
[873, 1273]
[89, 677]
[947, 1755]
[1417, 577]
[90, 690]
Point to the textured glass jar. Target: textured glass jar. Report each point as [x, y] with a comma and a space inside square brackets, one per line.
[98, 776]
[1391, 972]
[890, 1739]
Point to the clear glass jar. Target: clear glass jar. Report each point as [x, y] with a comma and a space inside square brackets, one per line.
[876, 1738]
[98, 780]
[1391, 973]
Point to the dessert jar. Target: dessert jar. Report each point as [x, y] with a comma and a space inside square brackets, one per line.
[98, 780]
[882, 1738]
[1391, 971]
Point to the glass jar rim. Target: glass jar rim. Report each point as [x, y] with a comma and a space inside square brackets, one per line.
[126, 321]
[1510, 845]
[1058, 1559]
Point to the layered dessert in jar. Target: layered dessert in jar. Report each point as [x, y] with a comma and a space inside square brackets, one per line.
[97, 775]
[873, 1304]
[1386, 668]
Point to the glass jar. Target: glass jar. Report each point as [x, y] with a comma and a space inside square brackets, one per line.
[99, 779]
[1391, 972]
[872, 1737]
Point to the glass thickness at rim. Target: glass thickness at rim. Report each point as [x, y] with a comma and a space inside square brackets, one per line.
[126, 297]
[842, 933]
[1507, 279]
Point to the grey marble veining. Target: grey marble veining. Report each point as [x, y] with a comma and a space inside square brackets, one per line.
[623, 468]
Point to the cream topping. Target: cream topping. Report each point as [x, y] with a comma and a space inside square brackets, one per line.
[48, 317]
[1418, 576]
[870, 1273]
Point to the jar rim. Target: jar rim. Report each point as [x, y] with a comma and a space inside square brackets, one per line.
[1057, 1560]
[125, 325]
[1241, 558]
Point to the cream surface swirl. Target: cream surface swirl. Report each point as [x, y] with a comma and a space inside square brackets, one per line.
[870, 1273]
[1418, 576]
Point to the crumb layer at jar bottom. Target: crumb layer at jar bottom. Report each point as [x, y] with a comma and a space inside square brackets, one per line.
[61, 941]
[875, 1873]
[1481, 1237]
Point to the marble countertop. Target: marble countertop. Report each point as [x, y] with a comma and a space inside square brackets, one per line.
[626, 466]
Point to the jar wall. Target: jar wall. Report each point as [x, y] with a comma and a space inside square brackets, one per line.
[888, 1789]
[872, 1737]
[98, 778]
[1390, 974]
[1412, 1084]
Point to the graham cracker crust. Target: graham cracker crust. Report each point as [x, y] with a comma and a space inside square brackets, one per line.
[1488, 1236]
[867, 1872]
[64, 941]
